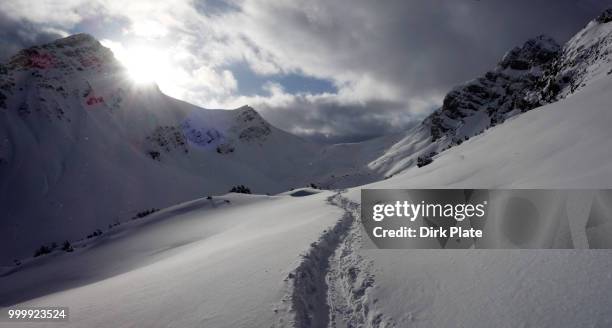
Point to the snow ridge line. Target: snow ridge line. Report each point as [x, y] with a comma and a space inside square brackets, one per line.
[329, 287]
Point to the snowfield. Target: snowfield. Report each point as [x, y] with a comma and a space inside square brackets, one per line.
[193, 265]
[562, 145]
[295, 259]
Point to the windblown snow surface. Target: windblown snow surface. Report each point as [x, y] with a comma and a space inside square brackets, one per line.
[295, 260]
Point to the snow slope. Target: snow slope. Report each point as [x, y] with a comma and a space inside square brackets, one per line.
[239, 264]
[192, 265]
[562, 145]
[81, 147]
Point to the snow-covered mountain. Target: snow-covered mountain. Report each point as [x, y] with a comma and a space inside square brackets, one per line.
[537, 73]
[81, 147]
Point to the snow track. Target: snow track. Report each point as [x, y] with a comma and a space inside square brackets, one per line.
[330, 286]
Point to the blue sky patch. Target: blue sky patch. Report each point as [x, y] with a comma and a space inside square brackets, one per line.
[250, 83]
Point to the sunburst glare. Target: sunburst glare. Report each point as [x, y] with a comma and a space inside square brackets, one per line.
[144, 64]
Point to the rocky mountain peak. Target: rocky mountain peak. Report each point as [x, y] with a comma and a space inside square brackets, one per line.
[514, 86]
[80, 52]
[250, 125]
[78, 40]
[533, 52]
[536, 73]
[605, 16]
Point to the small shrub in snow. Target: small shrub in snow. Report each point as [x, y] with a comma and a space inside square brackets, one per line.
[225, 149]
[426, 159]
[422, 161]
[154, 155]
[67, 247]
[144, 213]
[96, 233]
[42, 250]
[240, 189]
[2, 100]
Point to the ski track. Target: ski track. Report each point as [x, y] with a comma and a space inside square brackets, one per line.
[330, 286]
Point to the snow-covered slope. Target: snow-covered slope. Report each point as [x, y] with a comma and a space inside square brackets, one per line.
[81, 147]
[295, 259]
[562, 145]
[565, 144]
[206, 263]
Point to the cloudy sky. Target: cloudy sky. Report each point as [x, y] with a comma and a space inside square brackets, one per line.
[342, 70]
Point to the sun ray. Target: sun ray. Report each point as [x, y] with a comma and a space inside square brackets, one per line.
[144, 64]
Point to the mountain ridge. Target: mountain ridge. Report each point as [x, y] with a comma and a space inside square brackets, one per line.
[539, 72]
[82, 147]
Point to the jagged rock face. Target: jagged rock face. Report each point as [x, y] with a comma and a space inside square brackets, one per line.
[50, 72]
[533, 53]
[247, 127]
[511, 88]
[587, 56]
[80, 52]
[535, 74]
[166, 139]
[251, 125]
[223, 133]
[605, 17]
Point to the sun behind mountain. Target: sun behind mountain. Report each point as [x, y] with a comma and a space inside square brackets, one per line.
[145, 64]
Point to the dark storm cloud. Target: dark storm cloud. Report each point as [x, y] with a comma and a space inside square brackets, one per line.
[18, 34]
[415, 45]
[399, 50]
[324, 120]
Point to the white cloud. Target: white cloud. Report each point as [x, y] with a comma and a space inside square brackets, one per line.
[46, 12]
